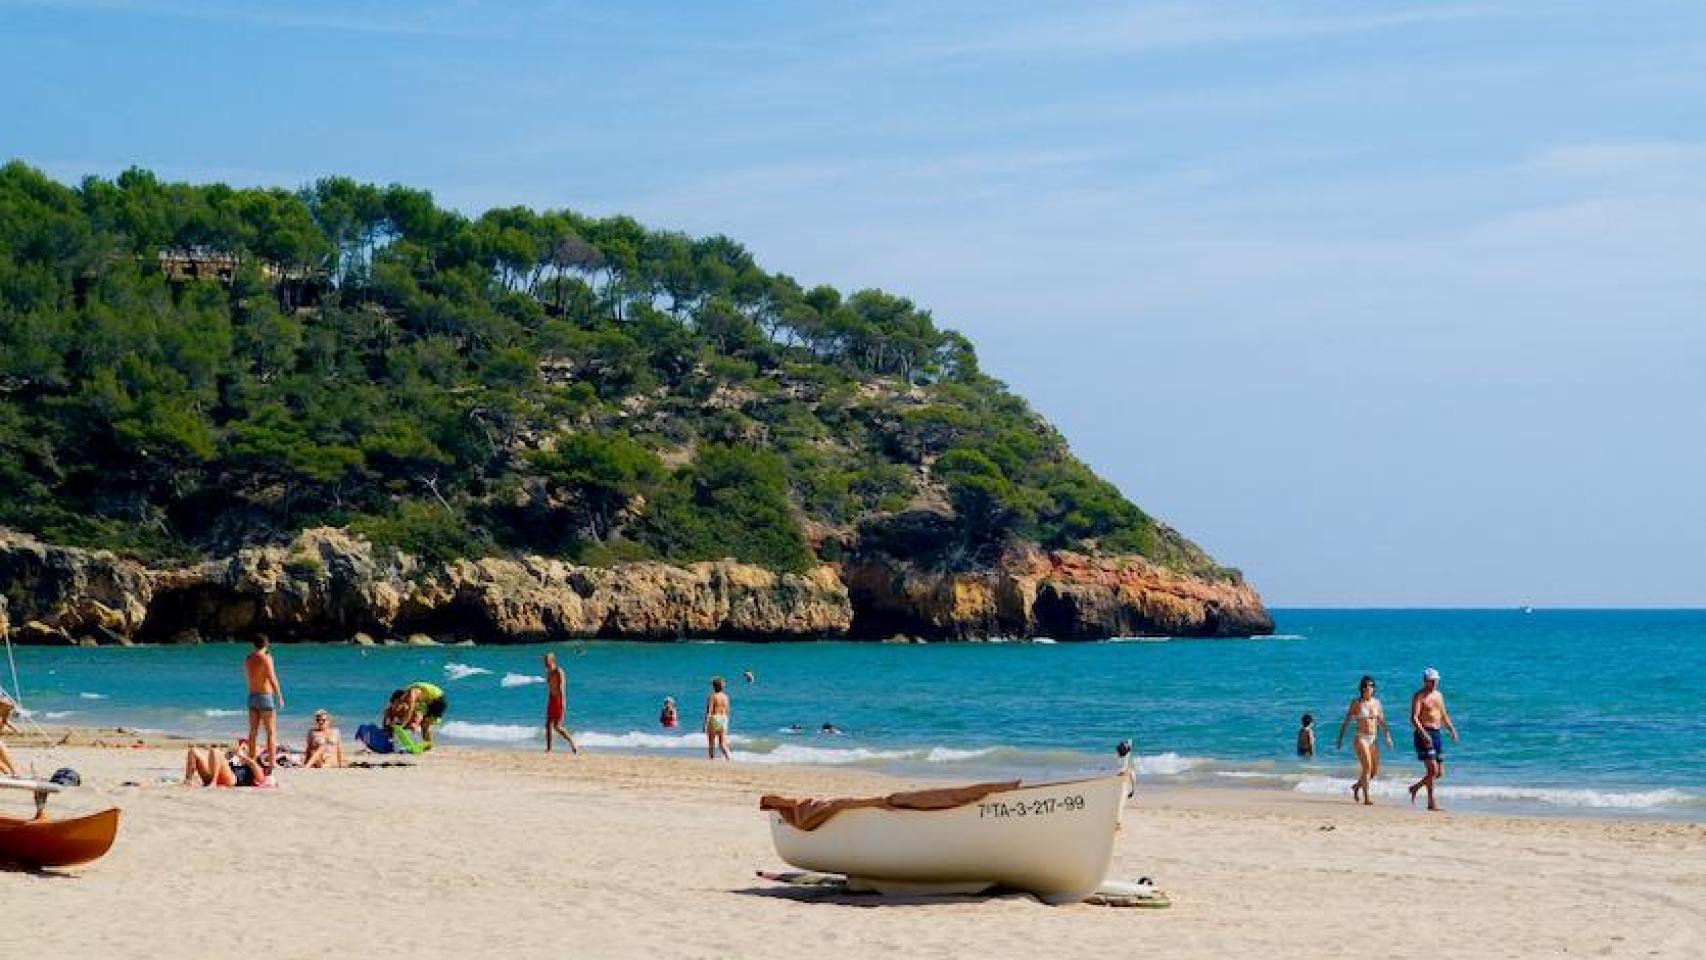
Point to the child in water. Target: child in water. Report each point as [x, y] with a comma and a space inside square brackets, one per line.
[1306, 737]
[666, 716]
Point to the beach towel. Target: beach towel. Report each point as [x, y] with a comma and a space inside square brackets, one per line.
[406, 742]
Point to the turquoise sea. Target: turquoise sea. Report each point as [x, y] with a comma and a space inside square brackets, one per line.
[1576, 712]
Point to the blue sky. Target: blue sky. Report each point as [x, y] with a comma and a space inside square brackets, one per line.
[1385, 303]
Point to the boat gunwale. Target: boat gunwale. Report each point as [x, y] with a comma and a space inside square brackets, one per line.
[1022, 785]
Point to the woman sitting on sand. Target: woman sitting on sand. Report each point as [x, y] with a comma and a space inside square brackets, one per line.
[228, 768]
[1370, 718]
[325, 743]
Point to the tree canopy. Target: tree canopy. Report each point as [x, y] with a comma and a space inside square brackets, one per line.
[188, 368]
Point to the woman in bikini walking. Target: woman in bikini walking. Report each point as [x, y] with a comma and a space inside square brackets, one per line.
[1370, 718]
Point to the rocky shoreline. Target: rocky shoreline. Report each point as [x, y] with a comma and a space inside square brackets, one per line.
[328, 585]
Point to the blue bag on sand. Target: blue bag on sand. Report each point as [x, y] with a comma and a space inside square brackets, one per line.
[374, 738]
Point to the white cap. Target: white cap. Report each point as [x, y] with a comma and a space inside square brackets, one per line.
[1430, 674]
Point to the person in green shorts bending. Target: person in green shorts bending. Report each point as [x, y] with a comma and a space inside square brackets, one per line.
[427, 704]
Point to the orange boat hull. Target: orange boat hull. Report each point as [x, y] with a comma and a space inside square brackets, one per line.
[57, 843]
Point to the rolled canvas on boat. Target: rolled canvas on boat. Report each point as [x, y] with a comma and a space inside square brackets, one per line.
[809, 814]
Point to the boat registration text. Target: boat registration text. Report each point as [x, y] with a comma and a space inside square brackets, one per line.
[1031, 808]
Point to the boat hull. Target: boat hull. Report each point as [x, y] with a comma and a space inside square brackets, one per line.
[1051, 840]
[57, 843]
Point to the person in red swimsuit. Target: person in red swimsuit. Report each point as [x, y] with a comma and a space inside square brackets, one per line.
[556, 703]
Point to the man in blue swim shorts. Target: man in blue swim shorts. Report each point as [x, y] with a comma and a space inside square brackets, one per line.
[266, 699]
[1427, 718]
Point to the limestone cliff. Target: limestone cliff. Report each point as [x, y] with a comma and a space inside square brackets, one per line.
[1063, 595]
[328, 585]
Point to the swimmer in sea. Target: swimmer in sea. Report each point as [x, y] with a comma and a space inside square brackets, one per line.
[1306, 737]
[666, 716]
[717, 721]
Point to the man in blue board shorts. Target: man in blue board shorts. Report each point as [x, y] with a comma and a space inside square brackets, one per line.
[1427, 718]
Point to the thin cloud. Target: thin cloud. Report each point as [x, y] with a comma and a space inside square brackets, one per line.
[1152, 27]
[258, 15]
[1620, 159]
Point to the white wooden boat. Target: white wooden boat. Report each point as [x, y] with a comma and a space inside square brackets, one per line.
[1054, 840]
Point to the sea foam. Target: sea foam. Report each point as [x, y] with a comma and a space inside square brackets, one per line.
[1166, 764]
[821, 756]
[643, 740]
[519, 680]
[488, 732]
[462, 671]
[1582, 797]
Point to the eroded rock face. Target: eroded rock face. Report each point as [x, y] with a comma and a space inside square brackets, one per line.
[1064, 595]
[329, 585]
[58, 594]
[326, 583]
[535, 598]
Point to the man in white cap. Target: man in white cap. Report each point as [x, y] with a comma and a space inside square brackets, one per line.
[1427, 716]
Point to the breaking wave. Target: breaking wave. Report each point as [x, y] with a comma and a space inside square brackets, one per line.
[488, 732]
[462, 671]
[1166, 764]
[641, 740]
[1580, 797]
[519, 680]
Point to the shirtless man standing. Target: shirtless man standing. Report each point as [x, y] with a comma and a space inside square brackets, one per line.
[717, 721]
[556, 703]
[1427, 716]
[266, 699]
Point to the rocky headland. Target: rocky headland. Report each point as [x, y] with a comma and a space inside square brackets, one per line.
[330, 585]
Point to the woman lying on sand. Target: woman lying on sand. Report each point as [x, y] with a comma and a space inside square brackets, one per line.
[235, 768]
[325, 743]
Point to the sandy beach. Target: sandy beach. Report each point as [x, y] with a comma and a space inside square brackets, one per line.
[515, 854]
